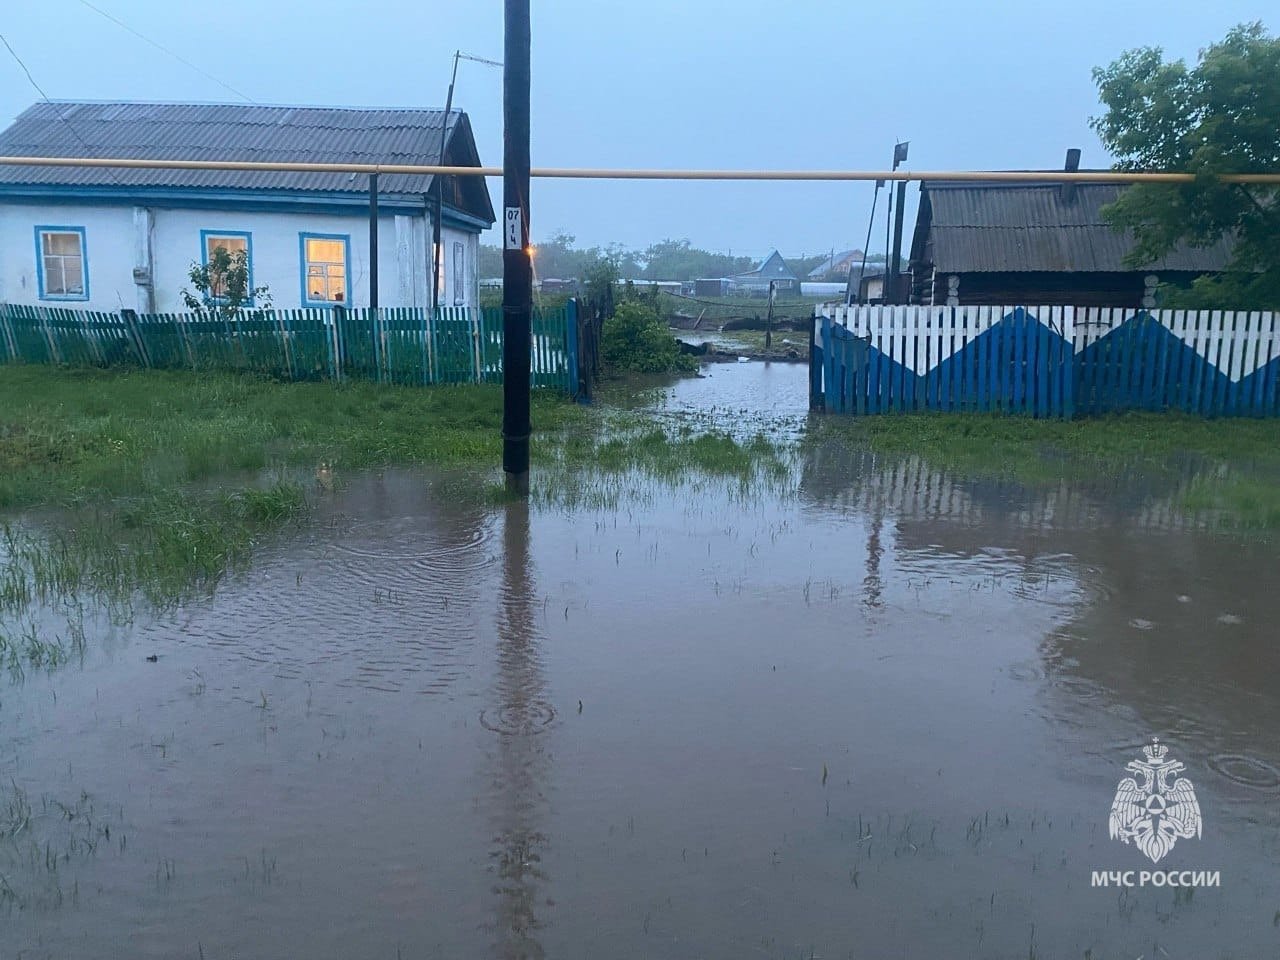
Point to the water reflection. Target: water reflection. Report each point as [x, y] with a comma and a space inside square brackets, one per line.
[522, 764]
[883, 716]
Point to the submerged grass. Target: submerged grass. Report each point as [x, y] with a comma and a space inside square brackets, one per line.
[152, 483]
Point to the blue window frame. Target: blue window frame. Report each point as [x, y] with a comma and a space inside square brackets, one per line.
[62, 263]
[232, 241]
[326, 275]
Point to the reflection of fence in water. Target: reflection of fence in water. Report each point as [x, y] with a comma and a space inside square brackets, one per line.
[909, 488]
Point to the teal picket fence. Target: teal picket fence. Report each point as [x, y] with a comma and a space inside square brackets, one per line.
[387, 345]
[1045, 361]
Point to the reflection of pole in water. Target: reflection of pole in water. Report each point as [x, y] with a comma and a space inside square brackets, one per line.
[871, 583]
[522, 715]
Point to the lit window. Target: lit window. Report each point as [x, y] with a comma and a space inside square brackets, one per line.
[234, 244]
[61, 262]
[324, 269]
[459, 275]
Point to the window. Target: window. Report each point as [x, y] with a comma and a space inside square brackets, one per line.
[61, 267]
[324, 268]
[459, 275]
[234, 242]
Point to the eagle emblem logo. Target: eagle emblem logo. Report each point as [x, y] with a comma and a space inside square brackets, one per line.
[1157, 810]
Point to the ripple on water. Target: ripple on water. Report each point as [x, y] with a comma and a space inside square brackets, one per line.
[1246, 771]
[519, 719]
[1026, 670]
[405, 539]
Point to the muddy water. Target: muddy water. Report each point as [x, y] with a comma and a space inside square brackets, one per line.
[883, 716]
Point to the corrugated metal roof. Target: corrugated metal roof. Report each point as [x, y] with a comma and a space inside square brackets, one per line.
[216, 131]
[999, 227]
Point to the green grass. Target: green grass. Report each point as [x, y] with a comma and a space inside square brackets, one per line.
[124, 483]
[118, 484]
[71, 435]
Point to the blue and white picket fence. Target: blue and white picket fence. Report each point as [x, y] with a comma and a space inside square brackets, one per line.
[1045, 361]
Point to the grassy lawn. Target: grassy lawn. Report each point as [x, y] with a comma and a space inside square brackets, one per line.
[71, 435]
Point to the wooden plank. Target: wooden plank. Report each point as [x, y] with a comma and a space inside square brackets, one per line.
[1153, 344]
[1223, 329]
[877, 365]
[1066, 369]
[1272, 388]
[1045, 358]
[828, 367]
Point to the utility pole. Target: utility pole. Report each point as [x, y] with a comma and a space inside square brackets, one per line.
[893, 254]
[438, 184]
[517, 267]
[373, 241]
[768, 327]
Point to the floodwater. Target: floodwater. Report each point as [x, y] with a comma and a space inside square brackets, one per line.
[881, 715]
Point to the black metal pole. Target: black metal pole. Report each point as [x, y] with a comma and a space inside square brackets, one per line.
[896, 255]
[373, 240]
[517, 268]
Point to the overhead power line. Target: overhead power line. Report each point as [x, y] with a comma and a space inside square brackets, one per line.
[44, 96]
[163, 49]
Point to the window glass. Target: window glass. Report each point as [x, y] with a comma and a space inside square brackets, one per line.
[232, 245]
[459, 275]
[62, 256]
[325, 271]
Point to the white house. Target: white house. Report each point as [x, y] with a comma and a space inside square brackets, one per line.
[107, 238]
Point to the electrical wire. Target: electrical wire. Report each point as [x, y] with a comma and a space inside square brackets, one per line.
[57, 112]
[163, 49]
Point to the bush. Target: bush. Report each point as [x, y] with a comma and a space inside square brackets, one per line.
[635, 339]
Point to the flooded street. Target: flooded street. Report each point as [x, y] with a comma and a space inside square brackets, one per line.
[881, 715]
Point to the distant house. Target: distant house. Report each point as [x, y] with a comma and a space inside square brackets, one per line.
[837, 264]
[772, 269]
[1035, 243]
[102, 238]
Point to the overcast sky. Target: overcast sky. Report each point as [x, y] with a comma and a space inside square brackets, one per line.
[982, 84]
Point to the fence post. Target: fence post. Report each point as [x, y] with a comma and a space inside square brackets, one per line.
[477, 349]
[43, 314]
[6, 331]
[336, 316]
[571, 346]
[815, 369]
[130, 319]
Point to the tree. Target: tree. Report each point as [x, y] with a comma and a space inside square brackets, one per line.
[1220, 116]
[222, 285]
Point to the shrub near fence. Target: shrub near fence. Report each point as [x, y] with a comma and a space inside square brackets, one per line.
[388, 345]
[1045, 361]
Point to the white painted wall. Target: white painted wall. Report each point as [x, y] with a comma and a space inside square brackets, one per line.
[117, 239]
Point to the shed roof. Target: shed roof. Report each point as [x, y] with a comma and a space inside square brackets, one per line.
[224, 131]
[976, 227]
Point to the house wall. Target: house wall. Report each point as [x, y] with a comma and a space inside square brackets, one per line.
[1045, 289]
[119, 239]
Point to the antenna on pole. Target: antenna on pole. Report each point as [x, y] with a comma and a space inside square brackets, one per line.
[438, 182]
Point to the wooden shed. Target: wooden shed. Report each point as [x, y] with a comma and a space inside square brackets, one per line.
[1036, 243]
